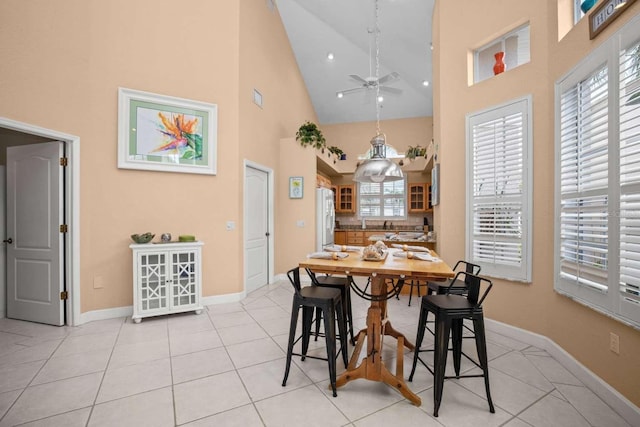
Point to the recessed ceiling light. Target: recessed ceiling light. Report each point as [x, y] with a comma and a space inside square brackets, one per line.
[340, 94]
[425, 83]
[431, 46]
[380, 98]
[330, 56]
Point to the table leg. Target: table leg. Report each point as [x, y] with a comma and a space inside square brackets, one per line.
[372, 367]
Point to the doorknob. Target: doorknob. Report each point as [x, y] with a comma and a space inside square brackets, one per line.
[9, 240]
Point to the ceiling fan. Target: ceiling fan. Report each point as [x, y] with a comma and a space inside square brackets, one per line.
[372, 82]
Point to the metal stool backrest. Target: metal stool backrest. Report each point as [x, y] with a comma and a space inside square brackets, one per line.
[294, 278]
[474, 285]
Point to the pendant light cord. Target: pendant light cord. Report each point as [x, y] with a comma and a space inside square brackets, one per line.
[377, 32]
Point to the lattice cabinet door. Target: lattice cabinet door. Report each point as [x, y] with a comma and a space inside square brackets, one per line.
[184, 275]
[167, 278]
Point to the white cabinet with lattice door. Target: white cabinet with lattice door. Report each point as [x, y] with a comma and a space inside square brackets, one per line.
[167, 278]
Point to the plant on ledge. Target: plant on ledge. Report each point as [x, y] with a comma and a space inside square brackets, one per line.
[309, 134]
[417, 151]
[337, 151]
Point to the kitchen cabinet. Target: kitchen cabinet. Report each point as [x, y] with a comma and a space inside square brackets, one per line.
[420, 198]
[355, 238]
[167, 278]
[340, 237]
[346, 199]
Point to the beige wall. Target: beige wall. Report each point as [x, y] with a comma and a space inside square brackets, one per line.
[62, 65]
[536, 307]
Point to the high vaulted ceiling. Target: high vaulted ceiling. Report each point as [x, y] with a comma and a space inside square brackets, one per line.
[345, 29]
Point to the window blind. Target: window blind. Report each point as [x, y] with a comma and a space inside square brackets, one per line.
[584, 164]
[630, 174]
[382, 200]
[498, 187]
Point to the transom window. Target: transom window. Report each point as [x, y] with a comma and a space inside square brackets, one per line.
[382, 200]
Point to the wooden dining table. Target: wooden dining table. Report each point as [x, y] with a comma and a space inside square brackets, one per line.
[378, 324]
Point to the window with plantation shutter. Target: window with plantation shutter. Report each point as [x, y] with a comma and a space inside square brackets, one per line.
[584, 181]
[597, 237]
[498, 190]
[382, 199]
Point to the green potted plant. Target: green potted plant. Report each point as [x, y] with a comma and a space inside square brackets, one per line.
[338, 152]
[417, 151]
[310, 134]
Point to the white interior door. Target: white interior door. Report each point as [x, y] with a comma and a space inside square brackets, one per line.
[35, 182]
[256, 228]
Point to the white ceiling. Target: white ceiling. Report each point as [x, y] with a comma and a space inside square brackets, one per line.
[317, 27]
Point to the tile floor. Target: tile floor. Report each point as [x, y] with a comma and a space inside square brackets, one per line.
[225, 366]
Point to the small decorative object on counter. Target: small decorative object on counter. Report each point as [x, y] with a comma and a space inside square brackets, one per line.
[142, 238]
[587, 5]
[186, 238]
[166, 237]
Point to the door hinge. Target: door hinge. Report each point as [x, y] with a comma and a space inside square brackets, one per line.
[64, 228]
[63, 161]
[64, 295]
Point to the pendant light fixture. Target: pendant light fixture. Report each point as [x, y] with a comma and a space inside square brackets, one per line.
[378, 168]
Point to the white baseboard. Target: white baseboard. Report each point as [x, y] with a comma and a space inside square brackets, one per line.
[224, 299]
[623, 406]
[109, 313]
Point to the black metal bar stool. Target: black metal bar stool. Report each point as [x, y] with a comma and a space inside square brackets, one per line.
[450, 311]
[330, 302]
[342, 283]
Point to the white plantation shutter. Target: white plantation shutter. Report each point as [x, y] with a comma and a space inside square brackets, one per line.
[498, 190]
[597, 239]
[584, 164]
[630, 181]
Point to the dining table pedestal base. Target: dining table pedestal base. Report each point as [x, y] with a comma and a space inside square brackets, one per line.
[372, 367]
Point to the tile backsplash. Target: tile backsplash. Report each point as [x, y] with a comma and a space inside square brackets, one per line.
[411, 223]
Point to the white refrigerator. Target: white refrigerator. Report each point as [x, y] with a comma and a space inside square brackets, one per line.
[325, 218]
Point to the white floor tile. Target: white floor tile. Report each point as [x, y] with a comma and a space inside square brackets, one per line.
[133, 379]
[410, 415]
[550, 411]
[201, 364]
[254, 352]
[591, 406]
[241, 333]
[138, 352]
[226, 320]
[244, 416]
[359, 398]
[265, 380]
[189, 343]
[306, 406]
[208, 396]
[518, 366]
[83, 343]
[18, 376]
[49, 399]
[7, 399]
[76, 418]
[552, 370]
[34, 353]
[73, 365]
[153, 408]
[150, 329]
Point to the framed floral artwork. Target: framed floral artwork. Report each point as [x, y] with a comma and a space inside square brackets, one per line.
[165, 133]
[296, 187]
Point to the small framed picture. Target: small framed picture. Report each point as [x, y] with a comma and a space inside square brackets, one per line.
[296, 187]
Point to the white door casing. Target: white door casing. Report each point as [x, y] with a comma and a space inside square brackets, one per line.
[35, 211]
[3, 247]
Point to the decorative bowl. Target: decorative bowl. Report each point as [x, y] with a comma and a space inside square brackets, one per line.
[186, 238]
[142, 238]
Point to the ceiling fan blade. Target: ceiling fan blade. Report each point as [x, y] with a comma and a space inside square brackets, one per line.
[348, 91]
[388, 89]
[391, 77]
[357, 78]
